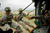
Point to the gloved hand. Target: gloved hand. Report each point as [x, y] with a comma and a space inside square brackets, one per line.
[1, 22]
[1, 19]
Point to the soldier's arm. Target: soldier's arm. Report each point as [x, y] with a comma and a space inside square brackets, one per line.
[30, 17]
[2, 20]
[15, 18]
[3, 17]
[24, 15]
[35, 17]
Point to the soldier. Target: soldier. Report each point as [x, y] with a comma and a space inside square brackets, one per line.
[7, 20]
[22, 22]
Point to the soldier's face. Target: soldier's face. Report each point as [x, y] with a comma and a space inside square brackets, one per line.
[8, 12]
[20, 12]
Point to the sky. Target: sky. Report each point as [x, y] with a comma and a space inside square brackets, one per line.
[16, 4]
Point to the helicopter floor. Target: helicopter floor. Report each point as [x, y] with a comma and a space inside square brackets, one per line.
[41, 30]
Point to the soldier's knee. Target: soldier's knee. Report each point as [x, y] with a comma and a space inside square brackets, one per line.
[14, 25]
[6, 27]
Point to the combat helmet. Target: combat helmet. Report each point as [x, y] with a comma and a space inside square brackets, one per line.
[7, 9]
[20, 10]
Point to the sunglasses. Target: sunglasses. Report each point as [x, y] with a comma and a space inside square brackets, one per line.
[8, 10]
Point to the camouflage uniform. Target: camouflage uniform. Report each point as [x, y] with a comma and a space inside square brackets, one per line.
[22, 22]
[9, 20]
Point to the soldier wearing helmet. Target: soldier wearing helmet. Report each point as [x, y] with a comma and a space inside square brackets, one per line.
[21, 21]
[7, 20]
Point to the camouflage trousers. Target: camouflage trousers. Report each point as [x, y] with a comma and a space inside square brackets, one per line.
[13, 25]
[23, 23]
